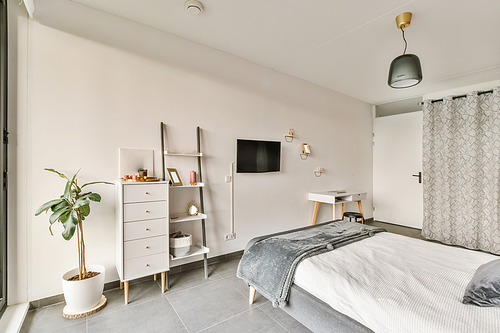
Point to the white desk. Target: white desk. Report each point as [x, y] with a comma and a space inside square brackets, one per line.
[333, 198]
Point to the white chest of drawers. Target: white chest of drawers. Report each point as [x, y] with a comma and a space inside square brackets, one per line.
[141, 231]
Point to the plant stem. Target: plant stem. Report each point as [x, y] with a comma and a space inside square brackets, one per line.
[79, 255]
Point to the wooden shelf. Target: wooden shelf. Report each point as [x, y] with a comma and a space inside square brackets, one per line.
[184, 217]
[183, 154]
[194, 251]
[188, 186]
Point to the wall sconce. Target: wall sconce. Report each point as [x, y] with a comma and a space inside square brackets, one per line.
[291, 134]
[306, 150]
[318, 171]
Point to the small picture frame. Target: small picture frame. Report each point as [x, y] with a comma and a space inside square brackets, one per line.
[174, 177]
[306, 149]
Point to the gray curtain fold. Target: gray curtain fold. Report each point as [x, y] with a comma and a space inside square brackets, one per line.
[461, 171]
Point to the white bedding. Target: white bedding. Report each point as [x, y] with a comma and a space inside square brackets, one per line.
[392, 283]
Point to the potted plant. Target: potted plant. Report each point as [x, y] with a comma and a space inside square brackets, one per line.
[82, 287]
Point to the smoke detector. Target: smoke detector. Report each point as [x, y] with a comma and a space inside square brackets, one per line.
[193, 7]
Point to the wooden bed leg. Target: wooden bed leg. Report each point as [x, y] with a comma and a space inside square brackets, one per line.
[251, 297]
[361, 211]
[316, 205]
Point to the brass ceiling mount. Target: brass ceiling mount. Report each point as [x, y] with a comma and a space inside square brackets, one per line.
[403, 20]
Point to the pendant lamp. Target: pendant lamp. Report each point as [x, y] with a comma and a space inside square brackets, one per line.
[405, 70]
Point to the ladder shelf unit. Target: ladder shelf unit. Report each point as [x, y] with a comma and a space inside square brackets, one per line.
[197, 249]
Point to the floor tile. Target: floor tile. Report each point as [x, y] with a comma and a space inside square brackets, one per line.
[152, 316]
[283, 318]
[241, 286]
[251, 321]
[189, 279]
[208, 304]
[138, 293]
[226, 268]
[49, 319]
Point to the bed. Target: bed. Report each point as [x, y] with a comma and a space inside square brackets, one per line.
[385, 282]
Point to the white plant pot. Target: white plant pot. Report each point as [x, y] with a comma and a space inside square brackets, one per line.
[83, 295]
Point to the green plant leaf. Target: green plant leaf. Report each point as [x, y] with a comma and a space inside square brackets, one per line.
[47, 205]
[95, 197]
[81, 202]
[70, 226]
[98, 182]
[62, 175]
[57, 214]
[84, 211]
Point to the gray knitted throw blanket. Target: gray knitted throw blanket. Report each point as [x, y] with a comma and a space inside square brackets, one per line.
[269, 263]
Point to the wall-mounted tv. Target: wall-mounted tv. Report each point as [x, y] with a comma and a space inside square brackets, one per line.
[257, 156]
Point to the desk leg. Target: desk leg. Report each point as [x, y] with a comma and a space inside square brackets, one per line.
[316, 205]
[361, 211]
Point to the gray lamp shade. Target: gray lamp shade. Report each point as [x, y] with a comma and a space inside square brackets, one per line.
[405, 71]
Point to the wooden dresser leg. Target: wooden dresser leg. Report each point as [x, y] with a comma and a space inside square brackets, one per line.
[316, 205]
[126, 292]
[251, 297]
[154, 277]
[361, 211]
[162, 282]
[121, 285]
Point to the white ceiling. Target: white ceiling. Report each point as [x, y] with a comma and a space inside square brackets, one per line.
[346, 46]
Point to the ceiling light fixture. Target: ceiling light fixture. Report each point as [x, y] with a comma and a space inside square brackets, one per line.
[193, 7]
[405, 70]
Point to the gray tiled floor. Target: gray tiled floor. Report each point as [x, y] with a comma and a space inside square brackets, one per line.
[193, 304]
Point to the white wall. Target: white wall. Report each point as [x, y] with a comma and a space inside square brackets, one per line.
[97, 83]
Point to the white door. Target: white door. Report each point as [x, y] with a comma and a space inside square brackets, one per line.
[397, 156]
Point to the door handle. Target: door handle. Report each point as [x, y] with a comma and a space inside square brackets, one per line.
[419, 177]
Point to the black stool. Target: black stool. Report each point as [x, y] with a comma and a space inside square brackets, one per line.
[353, 215]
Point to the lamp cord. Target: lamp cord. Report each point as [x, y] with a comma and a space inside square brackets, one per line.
[406, 44]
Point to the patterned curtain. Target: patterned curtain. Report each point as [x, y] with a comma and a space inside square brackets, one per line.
[461, 171]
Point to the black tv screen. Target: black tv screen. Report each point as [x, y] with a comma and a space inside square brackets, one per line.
[256, 156]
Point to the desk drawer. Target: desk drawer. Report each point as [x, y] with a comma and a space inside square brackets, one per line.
[353, 197]
[143, 266]
[144, 211]
[144, 229]
[144, 247]
[144, 192]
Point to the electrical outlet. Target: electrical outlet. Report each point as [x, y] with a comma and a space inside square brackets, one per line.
[231, 236]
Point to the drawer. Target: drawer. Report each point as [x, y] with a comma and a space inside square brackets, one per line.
[144, 211]
[144, 229]
[144, 266]
[144, 192]
[144, 247]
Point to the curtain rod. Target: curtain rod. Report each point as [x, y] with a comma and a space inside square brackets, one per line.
[461, 96]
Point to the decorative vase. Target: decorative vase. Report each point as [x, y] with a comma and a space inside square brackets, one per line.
[83, 297]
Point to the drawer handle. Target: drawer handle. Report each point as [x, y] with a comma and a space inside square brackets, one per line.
[147, 193]
[147, 211]
[147, 229]
[147, 265]
[147, 247]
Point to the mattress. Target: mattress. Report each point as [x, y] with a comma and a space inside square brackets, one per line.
[392, 283]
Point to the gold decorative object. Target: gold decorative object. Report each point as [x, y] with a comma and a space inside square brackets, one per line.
[192, 208]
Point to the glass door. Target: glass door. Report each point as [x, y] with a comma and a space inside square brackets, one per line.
[3, 155]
